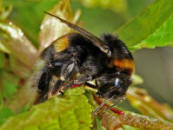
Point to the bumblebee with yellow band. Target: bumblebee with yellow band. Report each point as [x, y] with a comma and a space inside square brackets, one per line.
[105, 60]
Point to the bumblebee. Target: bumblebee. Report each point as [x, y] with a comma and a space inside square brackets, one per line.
[80, 57]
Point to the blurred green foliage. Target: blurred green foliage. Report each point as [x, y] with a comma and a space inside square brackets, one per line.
[9, 83]
[115, 5]
[2, 63]
[5, 113]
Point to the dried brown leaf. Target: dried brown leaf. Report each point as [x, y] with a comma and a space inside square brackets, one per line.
[17, 44]
[52, 28]
[142, 101]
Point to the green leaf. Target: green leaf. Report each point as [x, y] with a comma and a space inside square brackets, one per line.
[4, 114]
[151, 20]
[161, 37]
[2, 60]
[54, 125]
[68, 121]
[99, 125]
[3, 48]
[66, 113]
[126, 127]
[9, 84]
[135, 6]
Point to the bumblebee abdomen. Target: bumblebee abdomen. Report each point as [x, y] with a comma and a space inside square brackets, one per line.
[121, 57]
[126, 65]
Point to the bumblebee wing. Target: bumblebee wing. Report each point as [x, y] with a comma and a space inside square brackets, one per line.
[95, 40]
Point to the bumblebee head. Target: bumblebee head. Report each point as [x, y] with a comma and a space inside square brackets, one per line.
[115, 87]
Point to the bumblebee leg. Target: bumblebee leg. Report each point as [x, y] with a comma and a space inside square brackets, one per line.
[83, 79]
[91, 85]
[70, 83]
[101, 106]
[67, 71]
[56, 88]
[43, 84]
[62, 75]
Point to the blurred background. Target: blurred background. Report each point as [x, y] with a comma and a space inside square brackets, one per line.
[99, 16]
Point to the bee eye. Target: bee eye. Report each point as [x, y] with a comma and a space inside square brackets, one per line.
[117, 82]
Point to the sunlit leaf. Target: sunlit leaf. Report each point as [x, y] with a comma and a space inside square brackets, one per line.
[126, 127]
[53, 125]
[60, 111]
[146, 24]
[18, 44]
[52, 28]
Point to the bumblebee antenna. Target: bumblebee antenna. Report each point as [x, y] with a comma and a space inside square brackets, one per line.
[101, 106]
[96, 41]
